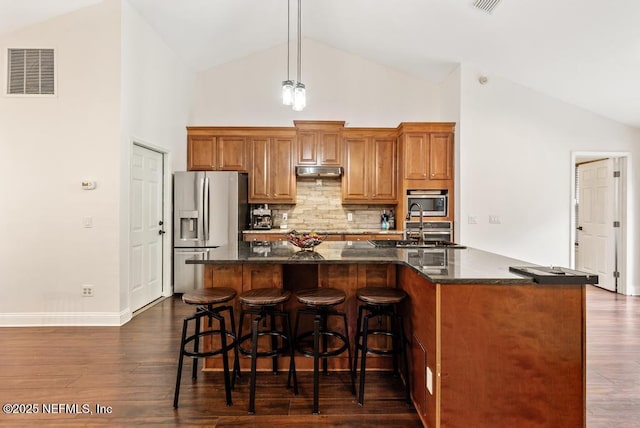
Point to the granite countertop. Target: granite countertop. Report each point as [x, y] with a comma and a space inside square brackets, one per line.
[439, 265]
[278, 231]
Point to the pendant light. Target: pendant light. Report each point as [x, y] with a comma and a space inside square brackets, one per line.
[287, 85]
[299, 93]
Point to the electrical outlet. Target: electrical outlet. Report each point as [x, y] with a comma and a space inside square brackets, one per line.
[494, 219]
[472, 219]
[285, 216]
[87, 290]
[349, 216]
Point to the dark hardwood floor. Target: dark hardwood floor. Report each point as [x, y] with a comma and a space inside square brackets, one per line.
[132, 369]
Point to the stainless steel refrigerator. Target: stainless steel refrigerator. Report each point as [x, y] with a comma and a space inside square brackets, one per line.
[210, 209]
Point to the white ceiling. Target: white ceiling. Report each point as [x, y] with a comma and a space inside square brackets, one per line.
[585, 52]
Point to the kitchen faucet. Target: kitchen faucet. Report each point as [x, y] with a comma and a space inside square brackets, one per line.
[421, 229]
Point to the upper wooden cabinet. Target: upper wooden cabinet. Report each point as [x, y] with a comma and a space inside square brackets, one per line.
[428, 156]
[427, 151]
[319, 142]
[209, 150]
[271, 177]
[370, 167]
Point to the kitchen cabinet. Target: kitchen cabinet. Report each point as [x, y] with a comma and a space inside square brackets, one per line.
[370, 174]
[206, 152]
[261, 237]
[271, 174]
[428, 156]
[319, 142]
[369, 236]
[330, 237]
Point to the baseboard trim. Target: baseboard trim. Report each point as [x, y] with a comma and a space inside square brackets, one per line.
[65, 319]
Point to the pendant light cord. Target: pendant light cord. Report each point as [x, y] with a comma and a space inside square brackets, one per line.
[288, 35]
[299, 39]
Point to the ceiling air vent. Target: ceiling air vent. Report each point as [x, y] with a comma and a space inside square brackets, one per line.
[31, 72]
[486, 5]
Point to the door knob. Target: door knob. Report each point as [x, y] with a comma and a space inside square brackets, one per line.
[161, 232]
[579, 227]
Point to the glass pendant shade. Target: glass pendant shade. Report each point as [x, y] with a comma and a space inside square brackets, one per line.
[299, 97]
[287, 92]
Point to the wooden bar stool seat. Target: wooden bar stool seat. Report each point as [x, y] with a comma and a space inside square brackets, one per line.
[380, 303]
[262, 304]
[205, 299]
[324, 343]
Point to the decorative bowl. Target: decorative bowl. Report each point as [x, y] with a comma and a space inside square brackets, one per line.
[305, 241]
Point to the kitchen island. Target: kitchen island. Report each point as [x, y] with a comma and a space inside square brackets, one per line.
[487, 347]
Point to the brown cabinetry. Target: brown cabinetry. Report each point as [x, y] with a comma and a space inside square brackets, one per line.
[271, 175]
[370, 162]
[428, 156]
[426, 161]
[210, 152]
[319, 142]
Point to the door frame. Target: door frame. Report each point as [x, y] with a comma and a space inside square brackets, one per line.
[166, 215]
[623, 206]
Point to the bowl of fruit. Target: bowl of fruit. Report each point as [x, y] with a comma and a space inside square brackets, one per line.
[305, 241]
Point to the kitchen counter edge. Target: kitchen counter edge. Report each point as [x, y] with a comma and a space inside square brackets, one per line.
[461, 266]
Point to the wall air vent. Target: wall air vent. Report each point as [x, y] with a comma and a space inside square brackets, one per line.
[30, 72]
[486, 5]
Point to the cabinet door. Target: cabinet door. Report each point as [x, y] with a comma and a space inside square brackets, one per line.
[283, 181]
[355, 180]
[307, 148]
[328, 150]
[319, 148]
[231, 154]
[440, 156]
[259, 170]
[201, 153]
[384, 184]
[416, 151]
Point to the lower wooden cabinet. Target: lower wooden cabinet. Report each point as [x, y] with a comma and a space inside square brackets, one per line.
[258, 237]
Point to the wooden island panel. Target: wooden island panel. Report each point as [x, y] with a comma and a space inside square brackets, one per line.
[513, 356]
[500, 355]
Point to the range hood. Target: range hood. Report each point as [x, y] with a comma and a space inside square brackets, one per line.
[319, 171]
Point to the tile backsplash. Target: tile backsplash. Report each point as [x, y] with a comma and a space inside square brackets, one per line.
[319, 206]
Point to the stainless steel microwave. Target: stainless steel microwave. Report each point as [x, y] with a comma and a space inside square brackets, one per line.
[434, 203]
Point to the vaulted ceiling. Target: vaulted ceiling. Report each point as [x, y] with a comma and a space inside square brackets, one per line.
[584, 52]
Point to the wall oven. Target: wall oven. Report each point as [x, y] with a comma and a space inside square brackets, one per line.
[434, 203]
[433, 231]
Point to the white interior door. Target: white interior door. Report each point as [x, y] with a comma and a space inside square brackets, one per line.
[595, 234]
[145, 282]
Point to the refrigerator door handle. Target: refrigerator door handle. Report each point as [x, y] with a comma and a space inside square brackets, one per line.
[205, 204]
[199, 207]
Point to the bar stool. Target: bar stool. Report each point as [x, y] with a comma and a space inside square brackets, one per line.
[205, 299]
[263, 304]
[379, 302]
[320, 303]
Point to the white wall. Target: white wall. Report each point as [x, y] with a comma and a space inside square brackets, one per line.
[117, 82]
[340, 86]
[48, 145]
[156, 97]
[515, 163]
